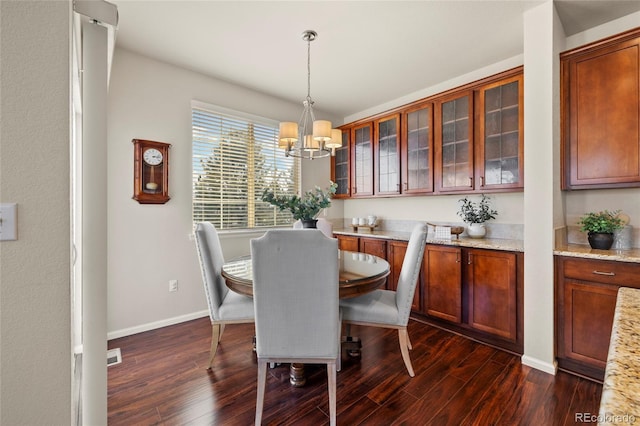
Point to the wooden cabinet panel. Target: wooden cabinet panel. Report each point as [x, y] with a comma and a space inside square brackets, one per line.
[374, 246]
[348, 243]
[589, 310]
[362, 160]
[442, 291]
[386, 149]
[396, 252]
[340, 167]
[416, 149]
[601, 114]
[454, 142]
[491, 277]
[500, 141]
[586, 292]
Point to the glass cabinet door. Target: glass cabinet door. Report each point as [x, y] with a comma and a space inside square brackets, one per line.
[362, 160]
[455, 129]
[500, 147]
[387, 153]
[340, 167]
[417, 150]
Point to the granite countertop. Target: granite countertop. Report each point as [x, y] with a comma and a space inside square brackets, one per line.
[620, 401]
[485, 243]
[585, 251]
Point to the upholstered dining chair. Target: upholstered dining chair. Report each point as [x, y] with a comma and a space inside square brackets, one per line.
[225, 307]
[391, 309]
[295, 292]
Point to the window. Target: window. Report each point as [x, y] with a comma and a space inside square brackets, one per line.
[235, 157]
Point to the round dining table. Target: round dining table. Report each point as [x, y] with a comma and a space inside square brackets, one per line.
[359, 273]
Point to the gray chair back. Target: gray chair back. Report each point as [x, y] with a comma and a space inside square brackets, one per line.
[211, 261]
[410, 272]
[295, 291]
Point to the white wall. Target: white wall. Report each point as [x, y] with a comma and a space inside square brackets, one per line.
[35, 301]
[149, 244]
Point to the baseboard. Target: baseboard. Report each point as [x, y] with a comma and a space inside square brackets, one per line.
[157, 324]
[546, 367]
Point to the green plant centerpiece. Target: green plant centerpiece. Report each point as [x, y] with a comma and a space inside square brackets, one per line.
[306, 207]
[475, 215]
[600, 226]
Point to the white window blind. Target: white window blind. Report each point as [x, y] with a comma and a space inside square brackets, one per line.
[235, 157]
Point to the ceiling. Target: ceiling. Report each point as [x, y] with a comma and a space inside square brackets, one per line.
[367, 52]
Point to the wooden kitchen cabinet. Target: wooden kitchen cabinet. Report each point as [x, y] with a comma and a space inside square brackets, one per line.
[442, 288]
[374, 246]
[475, 292]
[600, 115]
[492, 302]
[386, 150]
[454, 142]
[362, 160]
[340, 167]
[500, 136]
[347, 242]
[465, 140]
[586, 292]
[416, 149]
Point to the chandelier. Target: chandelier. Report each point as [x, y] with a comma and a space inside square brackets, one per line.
[309, 138]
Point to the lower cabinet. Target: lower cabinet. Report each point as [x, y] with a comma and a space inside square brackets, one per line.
[442, 286]
[586, 292]
[491, 283]
[348, 243]
[475, 292]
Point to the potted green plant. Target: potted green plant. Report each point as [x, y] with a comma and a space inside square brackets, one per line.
[599, 227]
[475, 215]
[306, 207]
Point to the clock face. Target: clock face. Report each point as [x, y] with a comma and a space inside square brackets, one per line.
[152, 157]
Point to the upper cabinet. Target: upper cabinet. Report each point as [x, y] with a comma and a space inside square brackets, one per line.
[600, 100]
[468, 139]
[340, 173]
[416, 149]
[454, 143]
[362, 160]
[387, 155]
[500, 141]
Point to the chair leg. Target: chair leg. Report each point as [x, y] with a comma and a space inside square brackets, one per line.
[215, 338]
[331, 380]
[409, 342]
[262, 378]
[221, 331]
[403, 337]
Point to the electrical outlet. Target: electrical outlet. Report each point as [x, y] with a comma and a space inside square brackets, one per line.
[173, 285]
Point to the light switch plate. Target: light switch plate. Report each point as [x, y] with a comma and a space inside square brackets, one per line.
[8, 221]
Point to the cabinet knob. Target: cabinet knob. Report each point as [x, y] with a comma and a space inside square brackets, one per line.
[406, 186]
[469, 259]
[471, 182]
[481, 181]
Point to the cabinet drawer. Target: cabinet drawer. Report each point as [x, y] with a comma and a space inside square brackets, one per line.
[606, 272]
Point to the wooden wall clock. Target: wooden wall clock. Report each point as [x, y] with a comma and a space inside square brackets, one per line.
[150, 171]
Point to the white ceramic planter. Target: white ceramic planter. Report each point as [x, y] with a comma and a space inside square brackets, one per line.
[476, 230]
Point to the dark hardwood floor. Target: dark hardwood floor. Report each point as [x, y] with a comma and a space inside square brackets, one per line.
[163, 380]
